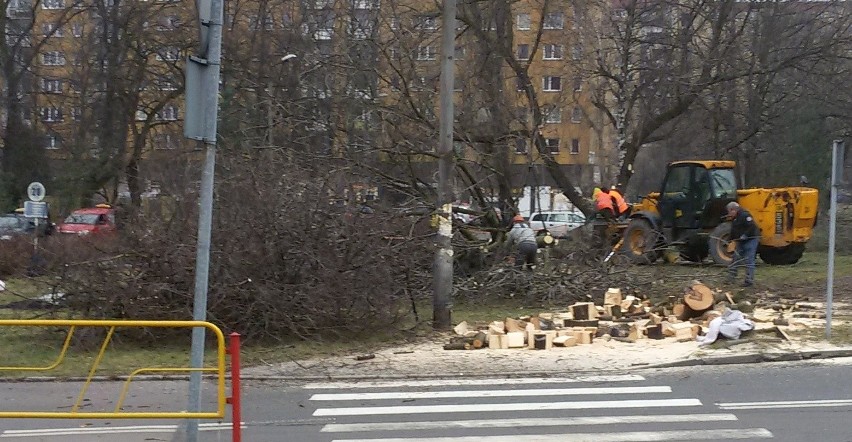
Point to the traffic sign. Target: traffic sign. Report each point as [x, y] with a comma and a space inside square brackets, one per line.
[36, 191]
[35, 209]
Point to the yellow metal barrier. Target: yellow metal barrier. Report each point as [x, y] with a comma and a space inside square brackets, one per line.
[117, 414]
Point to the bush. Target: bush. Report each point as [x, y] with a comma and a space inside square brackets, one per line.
[285, 262]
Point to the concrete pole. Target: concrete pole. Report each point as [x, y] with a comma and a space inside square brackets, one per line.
[443, 267]
[205, 213]
[836, 177]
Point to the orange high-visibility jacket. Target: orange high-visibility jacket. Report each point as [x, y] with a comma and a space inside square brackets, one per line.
[603, 201]
[619, 201]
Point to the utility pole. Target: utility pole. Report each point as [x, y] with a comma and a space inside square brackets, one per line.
[443, 267]
[837, 162]
[201, 116]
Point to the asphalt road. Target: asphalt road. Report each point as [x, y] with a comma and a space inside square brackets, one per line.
[804, 401]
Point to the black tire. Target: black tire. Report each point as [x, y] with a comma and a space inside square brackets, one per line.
[640, 242]
[720, 237]
[695, 249]
[782, 256]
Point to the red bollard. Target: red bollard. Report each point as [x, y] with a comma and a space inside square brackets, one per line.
[234, 400]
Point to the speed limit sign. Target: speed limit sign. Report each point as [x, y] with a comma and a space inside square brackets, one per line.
[35, 191]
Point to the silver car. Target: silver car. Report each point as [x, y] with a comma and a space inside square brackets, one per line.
[557, 223]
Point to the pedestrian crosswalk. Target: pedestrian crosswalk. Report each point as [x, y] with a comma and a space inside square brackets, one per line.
[584, 408]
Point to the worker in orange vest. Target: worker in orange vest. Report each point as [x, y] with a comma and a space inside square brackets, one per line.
[604, 204]
[621, 206]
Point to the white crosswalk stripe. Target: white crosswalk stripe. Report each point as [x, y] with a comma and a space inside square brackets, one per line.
[363, 415]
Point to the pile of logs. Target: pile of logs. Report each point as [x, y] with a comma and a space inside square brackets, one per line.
[622, 318]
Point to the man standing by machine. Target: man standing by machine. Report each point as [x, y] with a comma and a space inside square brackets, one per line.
[746, 235]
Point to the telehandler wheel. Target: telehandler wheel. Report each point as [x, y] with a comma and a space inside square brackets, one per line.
[640, 242]
[720, 244]
[790, 254]
[695, 249]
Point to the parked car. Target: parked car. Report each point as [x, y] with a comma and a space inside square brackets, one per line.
[94, 220]
[558, 224]
[12, 225]
[15, 224]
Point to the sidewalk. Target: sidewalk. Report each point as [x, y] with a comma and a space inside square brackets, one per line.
[430, 360]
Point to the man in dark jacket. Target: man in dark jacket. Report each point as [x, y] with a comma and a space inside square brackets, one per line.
[746, 234]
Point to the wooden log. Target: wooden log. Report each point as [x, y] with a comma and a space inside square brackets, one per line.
[515, 339]
[544, 240]
[613, 296]
[478, 341]
[457, 346]
[565, 341]
[461, 328]
[655, 331]
[698, 297]
[514, 325]
[584, 323]
[584, 310]
[497, 327]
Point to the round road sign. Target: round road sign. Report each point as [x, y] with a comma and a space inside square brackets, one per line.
[35, 191]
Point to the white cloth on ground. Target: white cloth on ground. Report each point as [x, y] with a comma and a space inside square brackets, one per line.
[730, 324]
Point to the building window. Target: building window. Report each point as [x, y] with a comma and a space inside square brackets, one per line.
[578, 83]
[553, 20]
[51, 86]
[520, 146]
[524, 22]
[552, 83]
[576, 115]
[426, 23]
[51, 114]
[577, 52]
[76, 114]
[553, 115]
[552, 52]
[168, 54]
[53, 58]
[575, 146]
[364, 4]
[426, 53]
[523, 52]
[52, 142]
[461, 52]
[53, 4]
[168, 113]
[164, 84]
[170, 22]
[166, 142]
[77, 30]
[520, 83]
[51, 30]
[552, 145]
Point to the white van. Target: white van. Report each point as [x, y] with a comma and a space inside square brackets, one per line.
[557, 223]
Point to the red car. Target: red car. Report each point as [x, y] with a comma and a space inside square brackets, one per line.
[98, 219]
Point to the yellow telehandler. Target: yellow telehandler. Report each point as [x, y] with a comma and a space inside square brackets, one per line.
[688, 214]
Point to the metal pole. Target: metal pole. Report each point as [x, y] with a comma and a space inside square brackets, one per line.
[205, 214]
[234, 400]
[443, 267]
[836, 175]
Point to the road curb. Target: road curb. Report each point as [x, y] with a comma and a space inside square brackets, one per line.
[756, 358]
[740, 359]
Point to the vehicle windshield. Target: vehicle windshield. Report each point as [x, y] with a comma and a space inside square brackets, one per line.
[8, 222]
[82, 218]
[724, 183]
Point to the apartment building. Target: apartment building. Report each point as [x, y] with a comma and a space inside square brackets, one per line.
[360, 61]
